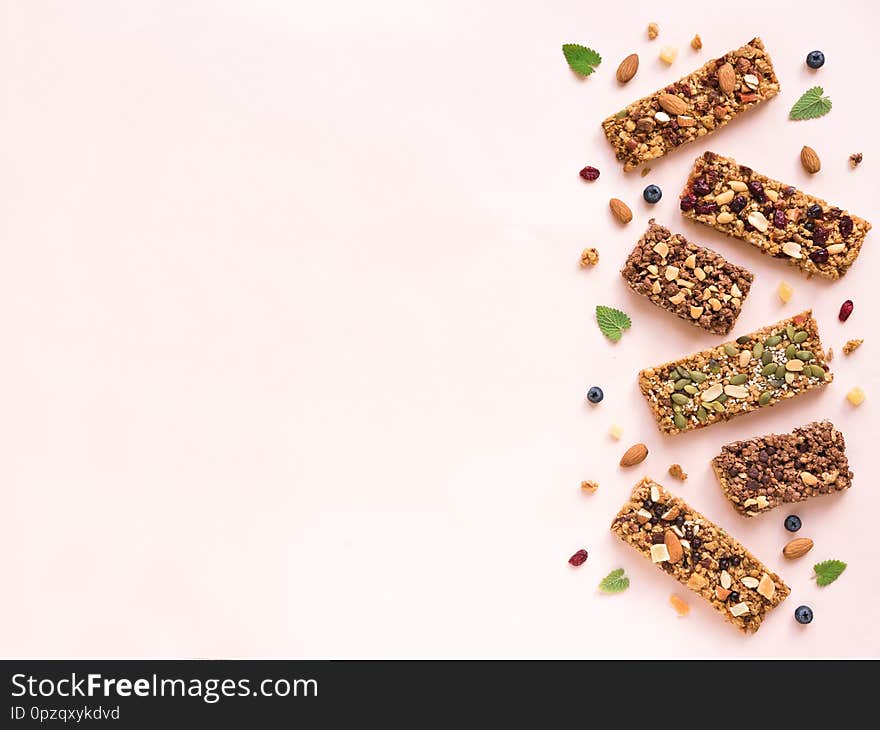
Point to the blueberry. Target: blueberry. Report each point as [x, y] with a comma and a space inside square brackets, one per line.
[803, 614]
[815, 59]
[792, 523]
[733, 597]
[595, 395]
[652, 194]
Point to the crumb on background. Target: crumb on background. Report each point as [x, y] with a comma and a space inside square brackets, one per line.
[589, 487]
[676, 471]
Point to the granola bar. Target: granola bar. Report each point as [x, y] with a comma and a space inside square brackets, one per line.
[763, 472]
[754, 371]
[700, 555]
[816, 237]
[693, 106]
[692, 282]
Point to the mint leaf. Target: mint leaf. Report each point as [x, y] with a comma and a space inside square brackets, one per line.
[614, 582]
[828, 571]
[580, 58]
[612, 322]
[811, 105]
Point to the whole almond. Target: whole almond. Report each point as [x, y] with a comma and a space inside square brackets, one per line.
[620, 210]
[675, 105]
[726, 78]
[810, 160]
[797, 548]
[673, 546]
[627, 68]
[635, 454]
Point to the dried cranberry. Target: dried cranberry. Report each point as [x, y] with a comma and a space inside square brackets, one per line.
[819, 256]
[779, 219]
[788, 192]
[845, 310]
[814, 211]
[701, 187]
[738, 203]
[757, 190]
[845, 226]
[706, 208]
[820, 236]
[579, 558]
[589, 173]
[688, 202]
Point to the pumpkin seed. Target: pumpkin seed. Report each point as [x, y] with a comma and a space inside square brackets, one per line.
[739, 379]
[679, 384]
[804, 355]
[680, 421]
[772, 341]
[758, 350]
[701, 414]
[799, 337]
[718, 406]
[764, 398]
[682, 400]
[780, 372]
[790, 352]
[767, 357]
[714, 367]
[676, 407]
[769, 369]
[684, 374]
[789, 378]
[721, 398]
[742, 340]
[692, 389]
[731, 350]
[818, 372]
[789, 330]
[697, 376]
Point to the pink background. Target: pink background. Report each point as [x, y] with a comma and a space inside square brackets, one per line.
[295, 341]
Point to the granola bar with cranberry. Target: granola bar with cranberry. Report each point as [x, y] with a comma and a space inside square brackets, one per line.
[693, 106]
[692, 282]
[754, 371]
[761, 473]
[700, 555]
[778, 219]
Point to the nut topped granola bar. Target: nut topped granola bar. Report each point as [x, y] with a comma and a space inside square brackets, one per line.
[754, 371]
[692, 282]
[816, 237]
[700, 555]
[693, 106]
[763, 472]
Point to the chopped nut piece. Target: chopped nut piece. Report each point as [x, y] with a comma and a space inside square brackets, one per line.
[589, 257]
[655, 493]
[615, 431]
[739, 609]
[749, 582]
[721, 593]
[671, 273]
[668, 54]
[589, 487]
[681, 607]
[643, 516]
[790, 248]
[809, 479]
[851, 346]
[653, 31]
[696, 312]
[726, 580]
[676, 471]
[855, 159]
[661, 249]
[785, 291]
[696, 42]
[856, 396]
[696, 582]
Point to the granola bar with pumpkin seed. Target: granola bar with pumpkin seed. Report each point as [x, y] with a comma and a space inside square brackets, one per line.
[700, 555]
[778, 219]
[757, 370]
[693, 106]
[761, 473]
[692, 282]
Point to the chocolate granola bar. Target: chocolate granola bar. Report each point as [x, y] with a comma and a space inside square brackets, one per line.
[693, 106]
[816, 237]
[763, 472]
[692, 282]
[700, 555]
[754, 371]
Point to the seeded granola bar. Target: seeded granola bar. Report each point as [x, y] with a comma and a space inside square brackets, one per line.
[693, 106]
[692, 282]
[700, 555]
[776, 218]
[754, 371]
[763, 472]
